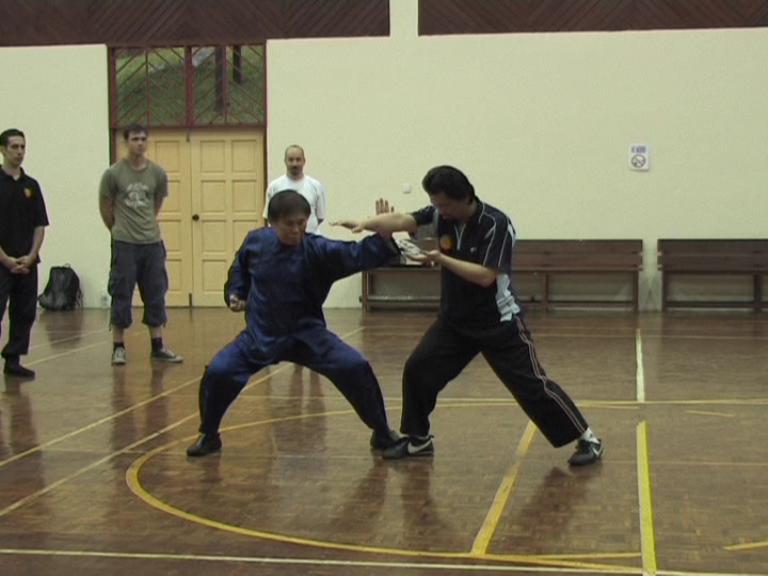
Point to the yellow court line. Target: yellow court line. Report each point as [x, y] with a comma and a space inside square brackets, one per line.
[323, 562]
[488, 528]
[127, 449]
[95, 424]
[703, 413]
[135, 406]
[746, 546]
[81, 471]
[133, 474]
[647, 532]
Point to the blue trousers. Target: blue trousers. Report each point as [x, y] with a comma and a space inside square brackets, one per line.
[142, 264]
[327, 354]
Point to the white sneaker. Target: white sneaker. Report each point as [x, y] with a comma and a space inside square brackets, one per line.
[118, 356]
[167, 355]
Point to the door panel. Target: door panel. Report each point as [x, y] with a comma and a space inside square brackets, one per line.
[171, 151]
[228, 196]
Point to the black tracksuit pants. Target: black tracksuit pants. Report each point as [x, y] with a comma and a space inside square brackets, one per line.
[444, 351]
[19, 293]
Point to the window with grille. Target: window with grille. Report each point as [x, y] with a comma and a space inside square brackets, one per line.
[188, 86]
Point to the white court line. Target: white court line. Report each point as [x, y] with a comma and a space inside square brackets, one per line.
[99, 462]
[68, 338]
[130, 447]
[680, 573]
[68, 352]
[346, 563]
[92, 425]
[640, 376]
[315, 562]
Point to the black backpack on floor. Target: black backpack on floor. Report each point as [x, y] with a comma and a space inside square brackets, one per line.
[62, 292]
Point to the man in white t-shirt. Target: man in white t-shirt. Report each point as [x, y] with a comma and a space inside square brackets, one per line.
[295, 179]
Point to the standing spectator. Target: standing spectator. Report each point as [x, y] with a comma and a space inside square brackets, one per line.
[295, 179]
[23, 219]
[130, 197]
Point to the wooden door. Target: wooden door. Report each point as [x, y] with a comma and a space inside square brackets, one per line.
[227, 202]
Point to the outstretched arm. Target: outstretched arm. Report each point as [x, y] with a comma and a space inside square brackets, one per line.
[340, 259]
[385, 222]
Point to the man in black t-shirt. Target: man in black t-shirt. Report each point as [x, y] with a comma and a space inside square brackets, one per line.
[22, 228]
[478, 314]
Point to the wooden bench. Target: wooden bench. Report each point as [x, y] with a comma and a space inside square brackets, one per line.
[548, 258]
[542, 258]
[727, 257]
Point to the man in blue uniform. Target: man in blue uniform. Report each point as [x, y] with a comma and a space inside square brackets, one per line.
[281, 276]
[478, 314]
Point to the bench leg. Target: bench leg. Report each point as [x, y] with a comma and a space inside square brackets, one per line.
[367, 282]
[757, 281]
[664, 290]
[636, 291]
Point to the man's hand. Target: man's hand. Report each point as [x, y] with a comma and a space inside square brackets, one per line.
[430, 258]
[15, 265]
[26, 261]
[353, 225]
[383, 207]
[235, 304]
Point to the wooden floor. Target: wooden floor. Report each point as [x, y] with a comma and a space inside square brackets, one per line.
[94, 480]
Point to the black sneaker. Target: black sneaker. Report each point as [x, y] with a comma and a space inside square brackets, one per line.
[13, 368]
[586, 453]
[384, 441]
[204, 445]
[410, 447]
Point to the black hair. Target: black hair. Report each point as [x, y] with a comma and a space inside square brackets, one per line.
[449, 181]
[8, 134]
[286, 204]
[134, 128]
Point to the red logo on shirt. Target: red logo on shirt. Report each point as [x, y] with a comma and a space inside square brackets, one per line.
[446, 243]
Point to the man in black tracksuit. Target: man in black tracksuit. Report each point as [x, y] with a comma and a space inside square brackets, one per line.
[22, 228]
[478, 314]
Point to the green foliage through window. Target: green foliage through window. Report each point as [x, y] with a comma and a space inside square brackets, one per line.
[186, 87]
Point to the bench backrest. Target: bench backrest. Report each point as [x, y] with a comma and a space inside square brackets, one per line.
[576, 255]
[721, 255]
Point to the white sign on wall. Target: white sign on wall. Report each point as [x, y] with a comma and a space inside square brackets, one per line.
[640, 157]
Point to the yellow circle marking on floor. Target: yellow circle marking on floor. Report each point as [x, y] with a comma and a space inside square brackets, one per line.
[132, 477]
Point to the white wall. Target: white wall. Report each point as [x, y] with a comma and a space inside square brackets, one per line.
[58, 97]
[541, 123]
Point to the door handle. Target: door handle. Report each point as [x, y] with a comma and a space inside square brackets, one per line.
[195, 217]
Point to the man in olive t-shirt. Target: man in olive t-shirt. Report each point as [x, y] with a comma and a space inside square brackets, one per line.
[130, 196]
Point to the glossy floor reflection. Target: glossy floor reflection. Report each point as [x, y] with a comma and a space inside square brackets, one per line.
[94, 480]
